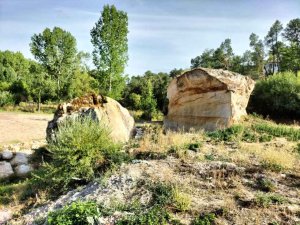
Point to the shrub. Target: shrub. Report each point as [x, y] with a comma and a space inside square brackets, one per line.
[76, 213]
[265, 200]
[206, 219]
[265, 184]
[154, 216]
[277, 96]
[82, 148]
[6, 98]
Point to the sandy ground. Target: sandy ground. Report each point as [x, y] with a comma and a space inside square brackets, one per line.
[22, 127]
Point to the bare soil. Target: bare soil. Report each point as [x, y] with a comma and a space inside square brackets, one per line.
[22, 127]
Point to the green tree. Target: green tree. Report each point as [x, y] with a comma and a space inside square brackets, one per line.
[292, 31]
[56, 51]
[149, 103]
[272, 41]
[204, 60]
[109, 38]
[175, 72]
[258, 55]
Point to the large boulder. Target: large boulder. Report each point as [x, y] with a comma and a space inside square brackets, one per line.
[100, 108]
[207, 99]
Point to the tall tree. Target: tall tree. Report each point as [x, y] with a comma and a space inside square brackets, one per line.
[292, 31]
[258, 55]
[272, 41]
[56, 51]
[109, 38]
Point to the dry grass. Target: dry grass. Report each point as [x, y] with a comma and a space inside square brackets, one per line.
[157, 141]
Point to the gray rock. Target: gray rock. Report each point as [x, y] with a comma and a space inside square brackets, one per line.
[5, 170]
[19, 159]
[5, 215]
[6, 154]
[22, 170]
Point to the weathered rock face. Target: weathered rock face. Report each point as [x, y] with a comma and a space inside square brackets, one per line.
[207, 99]
[103, 109]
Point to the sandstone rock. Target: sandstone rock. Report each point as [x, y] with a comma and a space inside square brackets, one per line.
[19, 159]
[5, 170]
[207, 99]
[22, 170]
[6, 154]
[103, 109]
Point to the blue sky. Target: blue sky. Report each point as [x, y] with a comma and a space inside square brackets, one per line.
[164, 34]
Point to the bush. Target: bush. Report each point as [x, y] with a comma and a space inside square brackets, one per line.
[277, 96]
[82, 149]
[265, 200]
[77, 213]
[6, 98]
[205, 219]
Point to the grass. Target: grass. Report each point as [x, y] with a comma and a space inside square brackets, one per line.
[268, 199]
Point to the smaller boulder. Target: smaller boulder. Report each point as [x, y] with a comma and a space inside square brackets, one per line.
[5, 170]
[5, 215]
[19, 159]
[6, 154]
[23, 170]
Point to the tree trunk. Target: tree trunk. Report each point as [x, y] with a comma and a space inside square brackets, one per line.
[39, 102]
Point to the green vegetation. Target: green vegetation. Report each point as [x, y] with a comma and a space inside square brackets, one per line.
[265, 184]
[81, 149]
[267, 199]
[75, 213]
[258, 131]
[206, 219]
[109, 38]
[277, 96]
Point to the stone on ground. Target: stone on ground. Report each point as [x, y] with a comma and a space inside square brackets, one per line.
[22, 170]
[207, 99]
[5, 170]
[103, 109]
[6, 154]
[19, 159]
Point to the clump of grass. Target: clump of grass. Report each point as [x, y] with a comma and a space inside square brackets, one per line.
[82, 149]
[156, 140]
[267, 199]
[181, 201]
[205, 219]
[292, 134]
[76, 213]
[265, 184]
[154, 216]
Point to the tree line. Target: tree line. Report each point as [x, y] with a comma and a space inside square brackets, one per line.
[61, 72]
[279, 51]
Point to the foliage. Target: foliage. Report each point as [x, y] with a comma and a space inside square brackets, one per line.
[272, 41]
[81, 148]
[205, 219]
[266, 199]
[6, 98]
[149, 103]
[278, 95]
[76, 213]
[56, 51]
[265, 184]
[109, 38]
[155, 216]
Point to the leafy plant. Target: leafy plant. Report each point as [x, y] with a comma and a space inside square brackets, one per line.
[266, 199]
[265, 184]
[77, 213]
[81, 149]
[205, 219]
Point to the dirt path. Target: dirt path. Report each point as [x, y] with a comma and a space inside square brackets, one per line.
[22, 127]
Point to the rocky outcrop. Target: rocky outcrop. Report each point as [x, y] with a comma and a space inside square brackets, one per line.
[14, 163]
[103, 109]
[207, 99]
